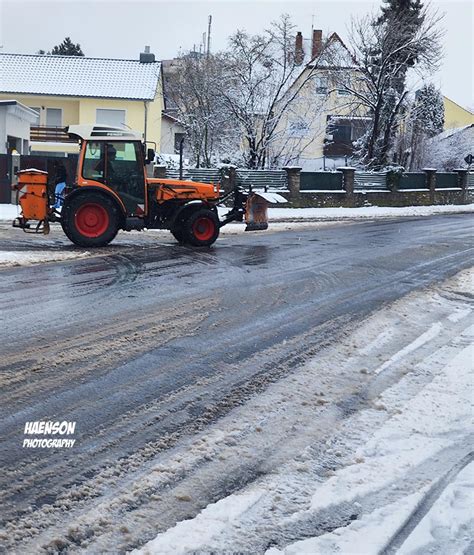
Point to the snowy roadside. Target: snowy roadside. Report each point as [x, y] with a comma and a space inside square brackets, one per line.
[396, 475]
[298, 214]
[9, 211]
[26, 258]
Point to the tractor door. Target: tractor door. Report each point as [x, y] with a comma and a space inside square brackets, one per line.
[119, 165]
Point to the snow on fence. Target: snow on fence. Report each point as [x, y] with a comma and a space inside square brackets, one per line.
[258, 179]
[204, 175]
[368, 181]
[273, 179]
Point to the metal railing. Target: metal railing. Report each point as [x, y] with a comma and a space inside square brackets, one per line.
[45, 133]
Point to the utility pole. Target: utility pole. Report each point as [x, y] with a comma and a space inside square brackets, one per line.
[209, 35]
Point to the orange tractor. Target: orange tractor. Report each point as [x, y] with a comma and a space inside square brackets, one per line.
[112, 192]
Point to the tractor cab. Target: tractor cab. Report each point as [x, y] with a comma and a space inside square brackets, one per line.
[113, 159]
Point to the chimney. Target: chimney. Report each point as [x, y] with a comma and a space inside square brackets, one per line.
[299, 54]
[317, 43]
[147, 57]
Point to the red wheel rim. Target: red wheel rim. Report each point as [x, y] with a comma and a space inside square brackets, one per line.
[203, 229]
[92, 220]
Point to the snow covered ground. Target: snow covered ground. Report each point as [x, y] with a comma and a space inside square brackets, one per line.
[396, 476]
[288, 214]
[9, 211]
[25, 258]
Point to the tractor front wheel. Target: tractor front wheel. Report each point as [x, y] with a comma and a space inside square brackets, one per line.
[201, 229]
[90, 220]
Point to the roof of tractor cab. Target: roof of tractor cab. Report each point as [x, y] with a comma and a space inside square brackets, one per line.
[103, 133]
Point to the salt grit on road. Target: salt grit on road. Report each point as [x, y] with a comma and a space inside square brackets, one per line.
[281, 219]
[396, 473]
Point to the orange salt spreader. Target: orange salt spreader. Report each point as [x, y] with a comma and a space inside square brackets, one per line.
[33, 198]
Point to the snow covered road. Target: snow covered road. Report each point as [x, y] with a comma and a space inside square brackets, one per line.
[398, 475]
[277, 389]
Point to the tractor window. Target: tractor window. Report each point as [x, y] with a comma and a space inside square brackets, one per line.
[125, 172]
[93, 167]
[120, 166]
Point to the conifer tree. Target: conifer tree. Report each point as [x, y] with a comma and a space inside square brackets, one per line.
[67, 48]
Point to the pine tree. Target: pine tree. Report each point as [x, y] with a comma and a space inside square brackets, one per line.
[428, 110]
[67, 48]
[425, 121]
[406, 17]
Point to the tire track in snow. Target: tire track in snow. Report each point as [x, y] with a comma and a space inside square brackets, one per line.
[424, 506]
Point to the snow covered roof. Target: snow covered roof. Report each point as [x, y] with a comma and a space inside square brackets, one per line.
[78, 76]
[335, 55]
[453, 131]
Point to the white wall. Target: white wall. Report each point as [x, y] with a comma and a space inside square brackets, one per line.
[15, 121]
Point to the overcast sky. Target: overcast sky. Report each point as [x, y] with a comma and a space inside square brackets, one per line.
[120, 29]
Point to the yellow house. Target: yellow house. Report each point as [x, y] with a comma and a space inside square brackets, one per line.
[456, 116]
[319, 127]
[68, 90]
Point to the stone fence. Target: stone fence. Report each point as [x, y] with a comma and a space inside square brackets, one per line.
[345, 187]
[352, 188]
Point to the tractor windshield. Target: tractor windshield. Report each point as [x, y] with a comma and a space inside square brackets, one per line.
[118, 165]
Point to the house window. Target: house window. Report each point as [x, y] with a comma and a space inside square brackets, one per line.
[177, 140]
[38, 111]
[54, 117]
[321, 84]
[343, 92]
[114, 118]
[341, 133]
[298, 128]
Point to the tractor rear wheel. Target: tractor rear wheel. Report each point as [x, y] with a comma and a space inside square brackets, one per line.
[90, 220]
[178, 235]
[201, 229]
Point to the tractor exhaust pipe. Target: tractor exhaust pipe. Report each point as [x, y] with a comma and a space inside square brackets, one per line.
[181, 144]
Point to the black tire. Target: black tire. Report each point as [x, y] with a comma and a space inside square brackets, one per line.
[201, 228]
[177, 233]
[90, 219]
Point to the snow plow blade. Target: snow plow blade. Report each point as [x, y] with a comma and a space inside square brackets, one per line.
[256, 209]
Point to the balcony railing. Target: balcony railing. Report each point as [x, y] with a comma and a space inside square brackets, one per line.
[45, 133]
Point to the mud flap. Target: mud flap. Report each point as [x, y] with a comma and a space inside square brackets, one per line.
[256, 210]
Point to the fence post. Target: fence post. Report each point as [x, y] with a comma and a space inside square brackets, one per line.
[431, 182]
[293, 176]
[159, 171]
[348, 178]
[462, 182]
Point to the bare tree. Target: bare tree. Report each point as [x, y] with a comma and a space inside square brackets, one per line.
[192, 94]
[264, 78]
[385, 52]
